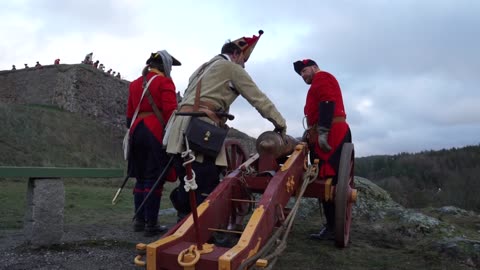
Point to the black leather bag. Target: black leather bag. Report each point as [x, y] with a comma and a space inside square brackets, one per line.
[205, 138]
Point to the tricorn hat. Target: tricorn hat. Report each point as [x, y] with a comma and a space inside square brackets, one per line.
[156, 57]
[247, 44]
[301, 64]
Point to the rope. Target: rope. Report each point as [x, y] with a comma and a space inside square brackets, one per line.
[190, 184]
[279, 237]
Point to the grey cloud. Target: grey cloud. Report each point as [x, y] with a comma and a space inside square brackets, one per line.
[88, 16]
[416, 64]
[384, 37]
[408, 69]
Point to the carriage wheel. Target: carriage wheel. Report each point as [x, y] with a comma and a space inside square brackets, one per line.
[345, 196]
[236, 155]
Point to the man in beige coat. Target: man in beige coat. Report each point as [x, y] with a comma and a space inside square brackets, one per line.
[222, 80]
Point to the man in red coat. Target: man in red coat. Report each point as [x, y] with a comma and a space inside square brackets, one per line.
[327, 131]
[147, 158]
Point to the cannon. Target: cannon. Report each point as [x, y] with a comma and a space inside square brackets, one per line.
[244, 223]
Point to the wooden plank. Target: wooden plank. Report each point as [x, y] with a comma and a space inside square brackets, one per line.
[60, 172]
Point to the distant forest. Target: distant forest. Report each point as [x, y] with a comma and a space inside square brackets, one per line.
[429, 178]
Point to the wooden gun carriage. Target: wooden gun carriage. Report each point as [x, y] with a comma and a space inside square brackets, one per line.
[257, 187]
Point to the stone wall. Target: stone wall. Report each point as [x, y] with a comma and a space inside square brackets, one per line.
[74, 88]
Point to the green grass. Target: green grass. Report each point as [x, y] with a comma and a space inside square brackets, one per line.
[34, 135]
[48, 107]
[12, 202]
[86, 202]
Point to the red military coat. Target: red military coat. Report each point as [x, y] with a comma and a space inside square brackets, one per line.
[164, 96]
[325, 87]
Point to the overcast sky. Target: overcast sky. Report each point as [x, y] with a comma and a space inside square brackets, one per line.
[408, 69]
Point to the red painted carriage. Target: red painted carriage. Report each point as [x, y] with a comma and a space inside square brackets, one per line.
[256, 189]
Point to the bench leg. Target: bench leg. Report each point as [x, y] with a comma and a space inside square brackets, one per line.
[44, 215]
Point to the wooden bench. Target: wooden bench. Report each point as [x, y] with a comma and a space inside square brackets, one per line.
[43, 223]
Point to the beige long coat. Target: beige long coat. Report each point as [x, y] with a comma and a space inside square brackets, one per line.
[222, 82]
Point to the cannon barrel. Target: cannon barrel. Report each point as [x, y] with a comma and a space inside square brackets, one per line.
[271, 142]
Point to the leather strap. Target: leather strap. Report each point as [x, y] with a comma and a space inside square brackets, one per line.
[336, 119]
[137, 110]
[196, 103]
[312, 131]
[144, 114]
[205, 106]
[156, 110]
[210, 113]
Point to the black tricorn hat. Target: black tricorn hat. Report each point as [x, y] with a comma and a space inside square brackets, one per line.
[155, 57]
[301, 64]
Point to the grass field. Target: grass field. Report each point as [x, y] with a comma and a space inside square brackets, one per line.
[86, 202]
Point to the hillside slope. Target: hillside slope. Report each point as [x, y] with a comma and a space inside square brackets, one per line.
[429, 178]
[40, 135]
[33, 135]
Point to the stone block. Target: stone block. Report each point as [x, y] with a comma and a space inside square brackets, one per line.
[45, 210]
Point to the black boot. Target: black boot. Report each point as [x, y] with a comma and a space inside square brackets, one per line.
[329, 211]
[328, 230]
[152, 229]
[138, 196]
[139, 225]
[326, 233]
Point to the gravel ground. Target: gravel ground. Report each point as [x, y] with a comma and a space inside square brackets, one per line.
[378, 245]
[83, 247]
